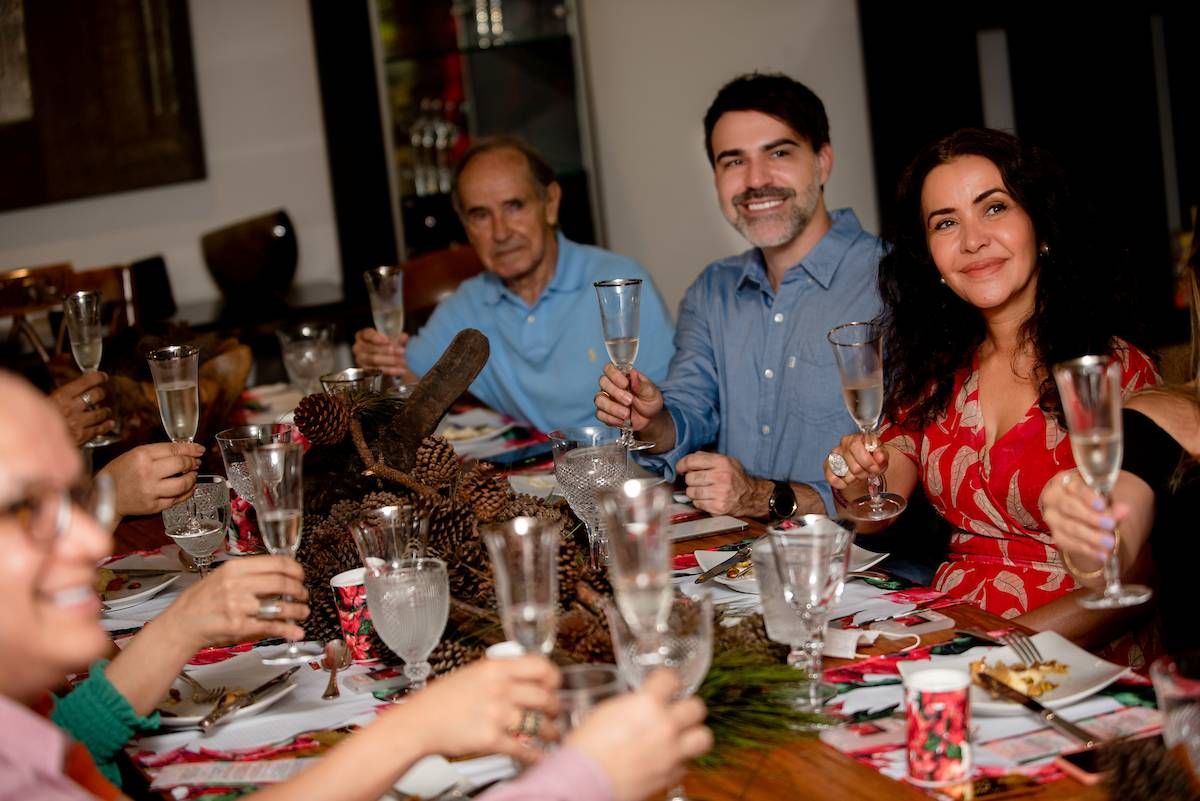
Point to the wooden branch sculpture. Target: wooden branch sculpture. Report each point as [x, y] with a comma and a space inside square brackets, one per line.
[438, 389]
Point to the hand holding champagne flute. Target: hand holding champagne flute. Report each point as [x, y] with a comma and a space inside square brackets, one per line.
[84, 327]
[620, 317]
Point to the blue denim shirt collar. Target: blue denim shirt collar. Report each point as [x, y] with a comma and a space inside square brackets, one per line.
[565, 279]
[821, 262]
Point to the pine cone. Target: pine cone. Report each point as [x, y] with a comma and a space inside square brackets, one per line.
[326, 549]
[450, 655]
[584, 636]
[437, 463]
[323, 419]
[747, 636]
[485, 491]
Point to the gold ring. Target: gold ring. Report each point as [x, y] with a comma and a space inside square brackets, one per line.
[87, 401]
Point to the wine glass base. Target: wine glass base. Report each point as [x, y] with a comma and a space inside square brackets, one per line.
[1129, 595]
[100, 440]
[295, 654]
[889, 505]
[811, 700]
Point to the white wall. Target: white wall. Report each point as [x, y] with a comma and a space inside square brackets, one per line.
[264, 144]
[655, 65]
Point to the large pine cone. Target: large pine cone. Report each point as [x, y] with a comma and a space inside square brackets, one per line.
[437, 463]
[584, 636]
[450, 655]
[323, 419]
[326, 549]
[485, 491]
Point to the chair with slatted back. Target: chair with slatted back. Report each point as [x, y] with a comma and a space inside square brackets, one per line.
[431, 277]
[31, 291]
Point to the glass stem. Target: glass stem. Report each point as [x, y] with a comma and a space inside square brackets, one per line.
[875, 480]
[627, 426]
[1112, 564]
[677, 793]
[417, 673]
[202, 562]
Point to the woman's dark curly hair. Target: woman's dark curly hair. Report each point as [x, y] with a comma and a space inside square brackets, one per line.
[930, 332]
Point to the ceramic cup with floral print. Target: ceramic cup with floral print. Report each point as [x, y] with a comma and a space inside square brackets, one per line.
[937, 708]
[350, 597]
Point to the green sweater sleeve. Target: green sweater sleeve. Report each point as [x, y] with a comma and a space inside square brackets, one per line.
[99, 717]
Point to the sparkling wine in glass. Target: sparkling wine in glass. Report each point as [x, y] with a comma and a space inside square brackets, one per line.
[1090, 390]
[524, 553]
[638, 517]
[684, 645]
[175, 371]
[385, 286]
[410, 603]
[86, 331]
[277, 472]
[197, 525]
[858, 348]
[620, 317]
[811, 556]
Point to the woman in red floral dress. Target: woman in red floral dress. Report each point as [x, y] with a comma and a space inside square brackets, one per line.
[988, 285]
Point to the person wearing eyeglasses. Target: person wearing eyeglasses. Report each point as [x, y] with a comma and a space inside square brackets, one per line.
[49, 628]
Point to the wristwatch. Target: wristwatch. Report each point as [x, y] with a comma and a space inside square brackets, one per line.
[783, 501]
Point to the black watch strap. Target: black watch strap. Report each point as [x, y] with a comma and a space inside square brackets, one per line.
[783, 501]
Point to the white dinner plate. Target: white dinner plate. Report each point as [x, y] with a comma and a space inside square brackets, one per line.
[860, 559]
[1087, 674]
[184, 713]
[135, 591]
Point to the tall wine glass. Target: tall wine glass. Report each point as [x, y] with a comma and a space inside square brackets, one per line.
[524, 554]
[277, 472]
[385, 286]
[620, 317]
[685, 646]
[308, 354]
[175, 370]
[638, 518]
[1090, 389]
[858, 348]
[812, 555]
[583, 472]
[197, 525]
[86, 331]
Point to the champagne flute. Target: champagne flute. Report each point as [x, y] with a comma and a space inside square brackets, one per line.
[620, 317]
[1090, 389]
[638, 517]
[524, 553]
[82, 312]
[812, 556]
[385, 286]
[175, 371]
[684, 646]
[277, 472]
[858, 348]
[198, 524]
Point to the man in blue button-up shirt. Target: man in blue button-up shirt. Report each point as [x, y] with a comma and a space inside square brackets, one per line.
[753, 370]
[535, 303]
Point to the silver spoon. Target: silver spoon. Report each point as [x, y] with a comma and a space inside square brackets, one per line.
[337, 657]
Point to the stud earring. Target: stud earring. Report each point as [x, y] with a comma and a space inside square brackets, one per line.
[1044, 249]
[943, 280]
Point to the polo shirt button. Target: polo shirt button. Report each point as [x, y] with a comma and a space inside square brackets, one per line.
[778, 317]
[529, 319]
[766, 430]
[768, 373]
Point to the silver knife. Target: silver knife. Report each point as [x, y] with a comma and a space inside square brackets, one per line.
[741, 555]
[222, 708]
[999, 688]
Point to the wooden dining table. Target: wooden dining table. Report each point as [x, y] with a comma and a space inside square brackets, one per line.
[803, 769]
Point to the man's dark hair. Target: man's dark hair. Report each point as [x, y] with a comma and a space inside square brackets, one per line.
[775, 95]
[541, 172]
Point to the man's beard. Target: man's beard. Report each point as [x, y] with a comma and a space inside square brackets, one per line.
[794, 219]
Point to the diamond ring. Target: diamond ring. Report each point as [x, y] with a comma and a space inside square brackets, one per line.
[268, 609]
[838, 465]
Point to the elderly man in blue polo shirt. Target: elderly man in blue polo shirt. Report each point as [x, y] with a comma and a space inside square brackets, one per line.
[753, 371]
[535, 303]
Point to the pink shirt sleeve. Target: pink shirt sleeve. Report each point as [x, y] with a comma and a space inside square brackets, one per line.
[565, 775]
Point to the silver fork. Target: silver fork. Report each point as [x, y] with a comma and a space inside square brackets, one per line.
[1024, 647]
[200, 693]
